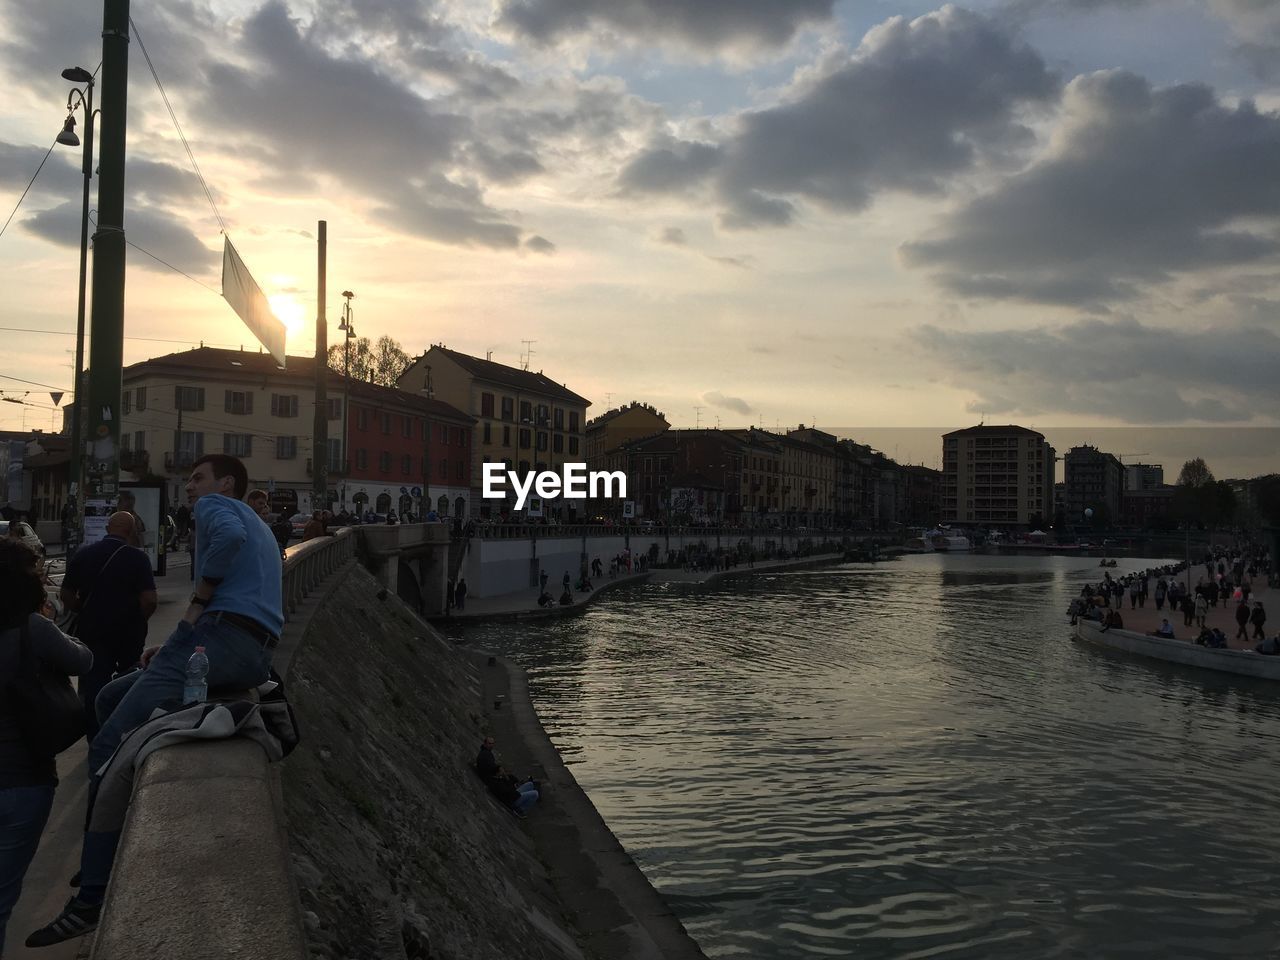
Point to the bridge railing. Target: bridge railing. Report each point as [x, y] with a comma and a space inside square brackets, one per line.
[310, 562]
[525, 531]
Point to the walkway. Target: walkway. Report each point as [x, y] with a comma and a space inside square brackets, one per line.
[524, 603]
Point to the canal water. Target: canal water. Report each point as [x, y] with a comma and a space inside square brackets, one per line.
[914, 759]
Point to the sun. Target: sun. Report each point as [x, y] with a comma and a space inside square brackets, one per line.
[289, 311]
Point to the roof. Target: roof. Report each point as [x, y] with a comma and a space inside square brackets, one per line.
[494, 372]
[608, 415]
[982, 430]
[235, 363]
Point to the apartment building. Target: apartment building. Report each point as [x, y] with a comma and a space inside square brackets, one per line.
[522, 419]
[996, 476]
[1094, 480]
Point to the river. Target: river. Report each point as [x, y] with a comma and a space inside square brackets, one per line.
[913, 759]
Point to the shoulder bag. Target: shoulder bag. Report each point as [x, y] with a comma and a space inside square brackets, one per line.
[43, 702]
[69, 622]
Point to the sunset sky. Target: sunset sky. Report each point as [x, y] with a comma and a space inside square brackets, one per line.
[888, 214]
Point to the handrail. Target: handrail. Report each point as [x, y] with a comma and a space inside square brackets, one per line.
[307, 564]
[523, 531]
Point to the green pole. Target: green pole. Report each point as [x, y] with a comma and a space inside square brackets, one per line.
[106, 350]
[320, 423]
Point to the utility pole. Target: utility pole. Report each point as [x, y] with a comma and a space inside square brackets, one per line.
[106, 350]
[320, 428]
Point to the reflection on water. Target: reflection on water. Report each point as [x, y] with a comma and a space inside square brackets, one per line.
[913, 760]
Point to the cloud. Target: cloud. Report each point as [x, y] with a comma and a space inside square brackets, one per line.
[152, 229]
[540, 245]
[718, 399]
[738, 263]
[1115, 369]
[704, 24]
[1138, 185]
[919, 103]
[673, 236]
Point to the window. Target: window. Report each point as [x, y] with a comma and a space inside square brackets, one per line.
[558, 419]
[486, 404]
[506, 436]
[573, 445]
[406, 465]
[188, 445]
[557, 443]
[486, 433]
[188, 398]
[284, 405]
[508, 408]
[362, 459]
[524, 438]
[526, 411]
[362, 419]
[126, 444]
[140, 398]
[333, 407]
[464, 437]
[542, 439]
[386, 424]
[238, 402]
[335, 456]
[444, 434]
[573, 421]
[444, 468]
[384, 461]
[460, 469]
[124, 403]
[286, 448]
[139, 441]
[237, 444]
[406, 428]
[426, 430]
[544, 415]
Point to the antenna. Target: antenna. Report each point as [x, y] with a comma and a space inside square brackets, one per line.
[608, 401]
[697, 415]
[526, 358]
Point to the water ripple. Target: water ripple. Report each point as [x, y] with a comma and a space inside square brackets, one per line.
[913, 760]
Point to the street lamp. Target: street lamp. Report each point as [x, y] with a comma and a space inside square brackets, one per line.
[79, 98]
[349, 331]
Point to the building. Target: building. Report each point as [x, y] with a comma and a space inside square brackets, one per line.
[997, 476]
[178, 407]
[1148, 509]
[613, 428]
[522, 419]
[1143, 476]
[1095, 480]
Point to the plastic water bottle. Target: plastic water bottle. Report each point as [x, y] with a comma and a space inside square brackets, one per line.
[197, 688]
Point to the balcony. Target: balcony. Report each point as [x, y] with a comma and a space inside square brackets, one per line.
[135, 461]
[336, 468]
[181, 460]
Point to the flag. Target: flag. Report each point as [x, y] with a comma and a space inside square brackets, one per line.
[246, 298]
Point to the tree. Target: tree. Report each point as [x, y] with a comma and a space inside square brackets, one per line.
[1195, 473]
[381, 363]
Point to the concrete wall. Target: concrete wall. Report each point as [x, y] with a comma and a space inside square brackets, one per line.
[1243, 662]
[497, 566]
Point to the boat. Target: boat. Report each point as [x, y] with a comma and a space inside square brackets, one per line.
[949, 541]
[1245, 663]
[918, 544]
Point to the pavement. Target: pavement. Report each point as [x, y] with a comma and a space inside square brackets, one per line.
[45, 890]
[1145, 619]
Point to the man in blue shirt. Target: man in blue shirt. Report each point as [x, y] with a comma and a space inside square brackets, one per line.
[235, 613]
[109, 583]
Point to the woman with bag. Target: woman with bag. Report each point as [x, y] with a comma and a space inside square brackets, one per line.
[39, 714]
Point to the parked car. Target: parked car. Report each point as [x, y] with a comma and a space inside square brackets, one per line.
[25, 533]
[298, 521]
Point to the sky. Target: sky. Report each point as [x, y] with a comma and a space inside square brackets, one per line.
[860, 213]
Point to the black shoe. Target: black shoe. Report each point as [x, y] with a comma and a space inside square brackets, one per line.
[75, 881]
[75, 920]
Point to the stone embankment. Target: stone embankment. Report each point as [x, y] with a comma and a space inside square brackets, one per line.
[398, 850]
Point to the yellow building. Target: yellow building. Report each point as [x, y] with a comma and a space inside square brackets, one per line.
[524, 419]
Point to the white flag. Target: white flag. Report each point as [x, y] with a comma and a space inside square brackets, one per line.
[246, 298]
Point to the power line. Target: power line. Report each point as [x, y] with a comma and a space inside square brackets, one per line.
[177, 126]
[71, 333]
[174, 269]
[24, 192]
[35, 383]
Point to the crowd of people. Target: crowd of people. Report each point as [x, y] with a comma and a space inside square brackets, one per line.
[1227, 582]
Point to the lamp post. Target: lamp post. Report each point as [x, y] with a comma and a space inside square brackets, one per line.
[79, 98]
[349, 331]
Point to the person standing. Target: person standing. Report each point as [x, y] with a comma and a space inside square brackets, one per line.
[109, 584]
[28, 776]
[1258, 618]
[565, 581]
[542, 582]
[235, 614]
[460, 594]
[1202, 609]
[1242, 620]
[1160, 593]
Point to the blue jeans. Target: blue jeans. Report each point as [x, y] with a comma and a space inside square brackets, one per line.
[528, 797]
[23, 813]
[236, 659]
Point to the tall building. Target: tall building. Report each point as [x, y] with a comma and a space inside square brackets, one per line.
[1095, 481]
[1143, 476]
[524, 420]
[997, 476]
